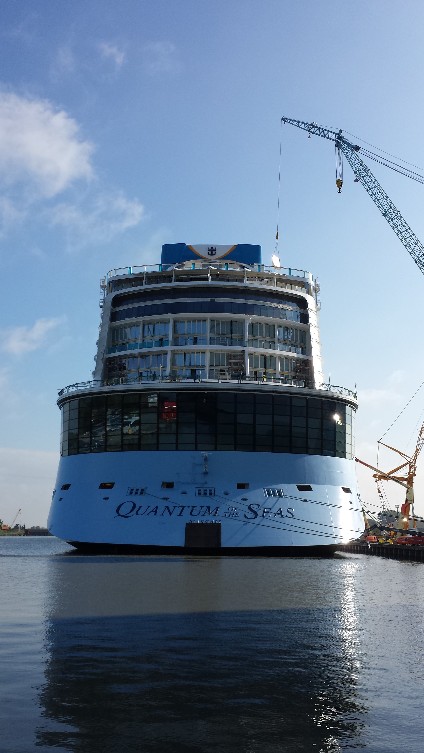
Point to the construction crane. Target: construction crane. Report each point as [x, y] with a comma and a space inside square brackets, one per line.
[15, 518]
[404, 475]
[364, 175]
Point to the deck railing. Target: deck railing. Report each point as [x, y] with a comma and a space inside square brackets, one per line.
[96, 384]
[205, 265]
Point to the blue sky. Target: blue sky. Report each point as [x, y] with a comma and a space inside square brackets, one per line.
[127, 125]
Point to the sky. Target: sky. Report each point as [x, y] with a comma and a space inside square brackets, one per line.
[127, 125]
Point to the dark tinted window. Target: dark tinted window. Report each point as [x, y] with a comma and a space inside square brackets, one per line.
[206, 420]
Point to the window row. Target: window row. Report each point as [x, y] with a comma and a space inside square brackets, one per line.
[211, 307]
[209, 292]
[226, 332]
[213, 364]
[207, 420]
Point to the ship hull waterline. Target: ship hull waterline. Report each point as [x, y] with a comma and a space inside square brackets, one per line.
[205, 503]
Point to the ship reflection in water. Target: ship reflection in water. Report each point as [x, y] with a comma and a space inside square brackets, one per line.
[199, 655]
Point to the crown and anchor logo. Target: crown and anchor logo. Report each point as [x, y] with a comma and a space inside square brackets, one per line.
[211, 250]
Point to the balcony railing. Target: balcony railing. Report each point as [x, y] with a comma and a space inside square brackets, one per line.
[96, 384]
[205, 265]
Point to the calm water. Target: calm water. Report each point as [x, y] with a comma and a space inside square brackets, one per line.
[155, 654]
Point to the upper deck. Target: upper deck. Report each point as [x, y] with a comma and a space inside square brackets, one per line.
[239, 264]
[284, 279]
[209, 311]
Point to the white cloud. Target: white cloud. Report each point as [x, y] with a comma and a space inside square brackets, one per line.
[392, 391]
[42, 154]
[64, 63]
[160, 57]
[112, 52]
[20, 340]
[9, 214]
[40, 145]
[4, 381]
[98, 222]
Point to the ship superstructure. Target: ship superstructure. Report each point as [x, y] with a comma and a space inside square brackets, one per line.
[207, 427]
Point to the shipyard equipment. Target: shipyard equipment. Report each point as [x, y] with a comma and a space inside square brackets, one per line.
[404, 474]
[364, 176]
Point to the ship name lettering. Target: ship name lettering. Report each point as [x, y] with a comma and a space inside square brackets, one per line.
[197, 511]
[123, 511]
[130, 509]
[210, 513]
[254, 510]
[168, 510]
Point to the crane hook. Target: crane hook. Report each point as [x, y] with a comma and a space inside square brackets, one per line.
[339, 168]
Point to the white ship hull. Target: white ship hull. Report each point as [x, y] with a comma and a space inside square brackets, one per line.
[269, 513]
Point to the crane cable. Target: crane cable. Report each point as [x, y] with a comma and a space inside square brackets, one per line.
[382, 151]
[383, 160]
[278, 196]
[393, 166]
[402, 411]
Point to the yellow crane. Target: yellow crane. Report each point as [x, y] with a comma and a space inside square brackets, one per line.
[404, 474]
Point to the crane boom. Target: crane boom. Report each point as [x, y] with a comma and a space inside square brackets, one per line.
[405, 479]
[364, 175]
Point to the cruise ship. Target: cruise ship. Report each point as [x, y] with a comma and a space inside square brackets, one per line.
[207, 427]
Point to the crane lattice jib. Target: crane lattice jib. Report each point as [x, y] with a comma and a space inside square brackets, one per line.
[418, 448]
[405, 234]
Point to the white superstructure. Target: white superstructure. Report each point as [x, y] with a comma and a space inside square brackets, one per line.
[207, 427]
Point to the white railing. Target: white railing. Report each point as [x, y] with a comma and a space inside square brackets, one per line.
[205, 265]
[96, 384]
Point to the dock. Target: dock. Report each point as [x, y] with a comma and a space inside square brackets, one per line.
[390, 551]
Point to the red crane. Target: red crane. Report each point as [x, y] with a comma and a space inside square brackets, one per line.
[404, 475]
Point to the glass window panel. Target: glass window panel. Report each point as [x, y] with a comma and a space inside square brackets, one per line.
[314, 446]
[245, 419]
[187, 442]
[167, 442]
[73, 446]
[298, 410]
[281, 405]
[245, 403]
[263, 404]
[298, 444]
[114, 422]
[245, 444]
[281, 447]
[98, 424]
[282, 421]
[329, 434]
[205, 442]
[316, 433]
[263, 419]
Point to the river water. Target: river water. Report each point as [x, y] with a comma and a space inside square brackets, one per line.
[191, 655]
